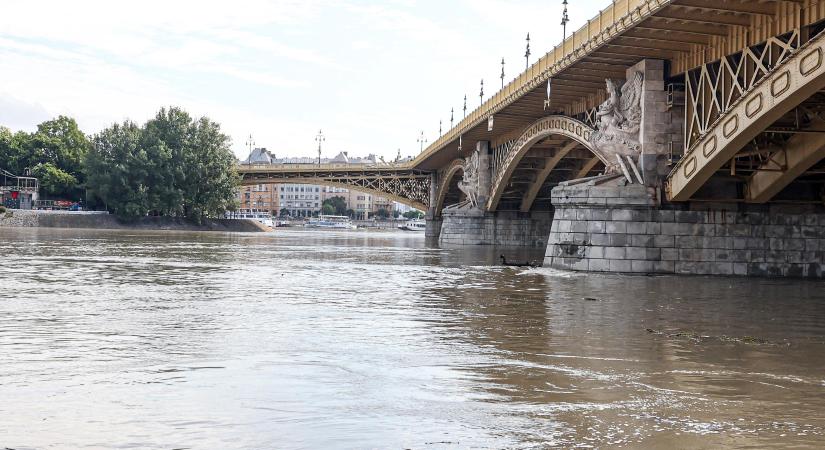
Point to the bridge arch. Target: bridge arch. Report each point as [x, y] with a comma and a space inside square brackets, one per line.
[576, 133]
[783, 88]
[445, 181]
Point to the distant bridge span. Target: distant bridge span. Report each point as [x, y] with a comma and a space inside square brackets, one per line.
[399, 182]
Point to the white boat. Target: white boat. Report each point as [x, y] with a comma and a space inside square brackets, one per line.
[262, 217]
[414, 225]
[337, 222]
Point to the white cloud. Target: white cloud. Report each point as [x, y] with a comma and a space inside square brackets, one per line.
[372, 75]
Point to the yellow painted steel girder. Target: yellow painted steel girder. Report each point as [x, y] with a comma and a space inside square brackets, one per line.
[787, 85]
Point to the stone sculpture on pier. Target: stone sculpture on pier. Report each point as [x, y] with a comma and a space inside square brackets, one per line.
[469, 185]
[619, 118]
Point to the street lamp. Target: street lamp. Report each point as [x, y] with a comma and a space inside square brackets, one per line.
[250, 143]
[527, 53]
[502, 73]
[481, 92]
[320, 138]
[421, 141]
[564, 20]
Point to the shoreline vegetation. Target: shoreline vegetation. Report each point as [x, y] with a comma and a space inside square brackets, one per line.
[172, 166]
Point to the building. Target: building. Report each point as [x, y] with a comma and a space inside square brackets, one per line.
[299, 200]
[305, 200]
[259, 198]
[18, 192]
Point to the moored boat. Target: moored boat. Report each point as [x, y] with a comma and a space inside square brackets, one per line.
[335, 222]
[413, 225]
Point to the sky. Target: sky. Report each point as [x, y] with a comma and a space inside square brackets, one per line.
[371, 75]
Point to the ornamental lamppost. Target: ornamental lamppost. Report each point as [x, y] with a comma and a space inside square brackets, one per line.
[421, 140]
[465, 106]
[527, 53]
[451, 118]
[481, 92]
[320, 138]
[250, 143]
[502, 73]
[564, 20]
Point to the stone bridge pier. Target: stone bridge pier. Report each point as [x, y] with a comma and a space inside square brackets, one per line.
[469, 223]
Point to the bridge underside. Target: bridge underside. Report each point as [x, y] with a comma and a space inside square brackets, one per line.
[407, 186]
[547, 163]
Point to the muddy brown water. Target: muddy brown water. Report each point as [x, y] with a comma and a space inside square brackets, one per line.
[307, 339]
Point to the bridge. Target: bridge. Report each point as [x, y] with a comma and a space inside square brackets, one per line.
[666, 136]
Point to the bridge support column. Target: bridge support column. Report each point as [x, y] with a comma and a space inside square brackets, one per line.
[432, 217]
[504, 228]
[614, 228]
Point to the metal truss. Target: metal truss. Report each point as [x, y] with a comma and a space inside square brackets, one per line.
[713, 88]
[404, 185]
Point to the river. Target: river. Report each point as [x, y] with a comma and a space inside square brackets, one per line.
[307, 339]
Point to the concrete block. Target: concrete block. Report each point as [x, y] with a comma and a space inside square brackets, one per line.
[653, 228]
[600, 239]
[621, 214]
[641, 240]
[599, 265]
[635, 253]
[595, 227]
[615, 227]
[595, 252]
[621, 266]
[670, 254]
[664, 241]
[641, 266]
[600, 214]
[614, 252]
[636, 227]
[618, 240]
[664, 266]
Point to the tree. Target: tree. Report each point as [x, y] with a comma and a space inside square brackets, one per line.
[54, 152]
[396, 213]
[116, 170]
[382, 213]
[284, 212]
[413, 214]
[338, 204]
[173, 165]
[327, 209]
[53, 180]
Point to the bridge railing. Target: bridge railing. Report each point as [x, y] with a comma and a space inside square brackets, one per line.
[326, 167]
[614, 19]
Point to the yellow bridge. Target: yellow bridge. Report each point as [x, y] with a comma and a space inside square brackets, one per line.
[699, 101]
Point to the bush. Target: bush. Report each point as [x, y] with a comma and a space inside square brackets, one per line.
[2, 209]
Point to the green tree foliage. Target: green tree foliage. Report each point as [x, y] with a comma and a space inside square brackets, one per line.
[117, 170]
[338, 204]
[173, 165]
[52, 179]
[327, 209]
[382, 213]
[413, 214]
[55, 152]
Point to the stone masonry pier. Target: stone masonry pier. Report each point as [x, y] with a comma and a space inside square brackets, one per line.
[619, 229]
[504, 228]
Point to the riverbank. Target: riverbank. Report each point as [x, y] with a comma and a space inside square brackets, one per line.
[103, 220]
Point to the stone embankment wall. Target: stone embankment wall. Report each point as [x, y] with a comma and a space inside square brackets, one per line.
[66, 219]
[617, 230]
[504, 228]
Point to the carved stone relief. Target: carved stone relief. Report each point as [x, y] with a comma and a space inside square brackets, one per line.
[469, 185]
[618, 119]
